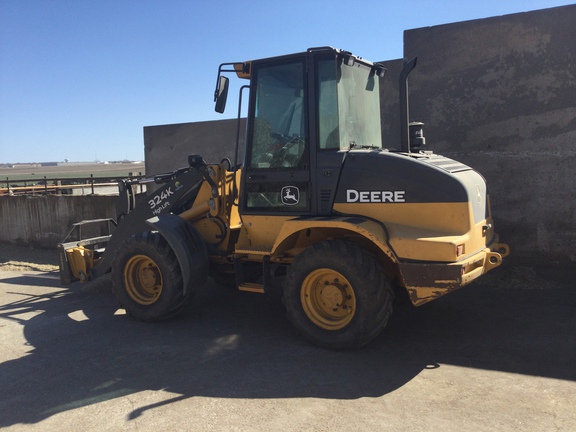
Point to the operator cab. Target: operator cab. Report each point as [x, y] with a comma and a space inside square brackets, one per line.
[305, 111]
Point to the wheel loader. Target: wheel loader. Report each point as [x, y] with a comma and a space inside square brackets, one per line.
[318, 208]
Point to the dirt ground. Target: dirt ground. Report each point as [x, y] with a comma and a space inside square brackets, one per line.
[18, 258]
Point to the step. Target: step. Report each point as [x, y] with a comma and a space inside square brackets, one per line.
[251, 287]
[260, 252]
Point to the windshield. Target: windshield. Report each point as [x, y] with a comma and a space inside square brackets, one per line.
[349, 106]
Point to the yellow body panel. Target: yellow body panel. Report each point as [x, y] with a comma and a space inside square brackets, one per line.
[298, 234]
[260, 233]
[448, 218]
[284, 237]
[428, 281]
[427, 231]
[81, 260]
[216, 217]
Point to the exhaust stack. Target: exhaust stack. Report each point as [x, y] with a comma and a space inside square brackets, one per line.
[404, 105]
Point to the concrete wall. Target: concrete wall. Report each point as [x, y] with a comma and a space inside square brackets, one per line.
[44, 221]
[167, 147]
[500, 95]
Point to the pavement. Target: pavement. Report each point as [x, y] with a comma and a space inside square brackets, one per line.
[498, 355]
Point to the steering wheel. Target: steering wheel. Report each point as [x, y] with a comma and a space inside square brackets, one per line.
[282, 157]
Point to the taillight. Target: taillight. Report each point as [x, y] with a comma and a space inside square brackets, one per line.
[459, 250]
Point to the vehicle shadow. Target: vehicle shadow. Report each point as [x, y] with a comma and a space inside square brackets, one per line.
[230, 344]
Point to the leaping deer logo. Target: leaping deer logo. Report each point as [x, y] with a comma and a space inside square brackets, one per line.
[290, 195]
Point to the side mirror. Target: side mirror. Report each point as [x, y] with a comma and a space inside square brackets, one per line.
[221, 94]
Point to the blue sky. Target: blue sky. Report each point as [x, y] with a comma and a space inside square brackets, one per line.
[79, 79]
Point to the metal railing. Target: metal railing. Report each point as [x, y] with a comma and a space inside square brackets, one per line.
[60, 185]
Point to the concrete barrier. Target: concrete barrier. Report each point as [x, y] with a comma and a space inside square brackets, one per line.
[44, 221]
[498, 94]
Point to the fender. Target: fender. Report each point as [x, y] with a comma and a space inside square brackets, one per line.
[187, 244]
[184, 186]
[374, 231]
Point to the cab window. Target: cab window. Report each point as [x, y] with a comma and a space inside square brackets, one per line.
[278, 132]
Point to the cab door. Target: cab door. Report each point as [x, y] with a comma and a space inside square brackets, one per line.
[276, 172]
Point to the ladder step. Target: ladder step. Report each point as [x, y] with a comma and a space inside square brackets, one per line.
[260, 252]
[251, 287]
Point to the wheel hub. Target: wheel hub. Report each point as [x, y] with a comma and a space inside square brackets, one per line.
[333, 295]
[328, 299]
[143, 279]
[149, 278]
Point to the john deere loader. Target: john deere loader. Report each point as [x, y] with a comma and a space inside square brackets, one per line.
[317, 204]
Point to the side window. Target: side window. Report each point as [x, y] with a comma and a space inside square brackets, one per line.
[278, 134]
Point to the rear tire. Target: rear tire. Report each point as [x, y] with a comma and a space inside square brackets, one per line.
[337, 295]
[147, 279]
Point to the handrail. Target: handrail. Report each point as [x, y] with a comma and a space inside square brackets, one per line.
[45, 186]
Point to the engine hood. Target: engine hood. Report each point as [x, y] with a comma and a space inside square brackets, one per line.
[381, 177]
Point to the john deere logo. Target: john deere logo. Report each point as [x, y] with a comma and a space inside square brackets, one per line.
[290, 195]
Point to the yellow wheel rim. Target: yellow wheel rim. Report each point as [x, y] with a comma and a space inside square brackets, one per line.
[328, 299]
[143, 279]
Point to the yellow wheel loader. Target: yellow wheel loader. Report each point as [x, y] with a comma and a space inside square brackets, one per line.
[317, 203]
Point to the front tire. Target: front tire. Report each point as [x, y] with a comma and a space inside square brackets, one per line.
[147, 279]
[337, 295]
